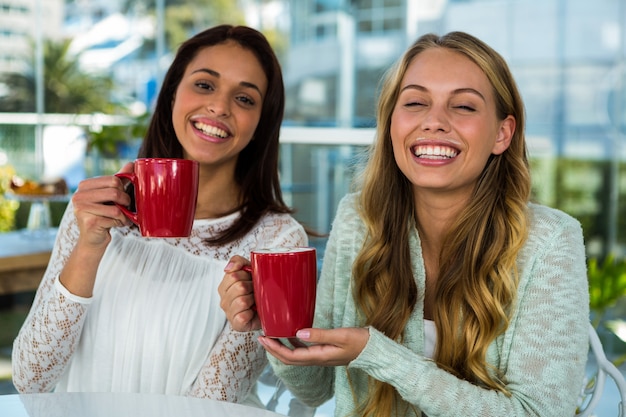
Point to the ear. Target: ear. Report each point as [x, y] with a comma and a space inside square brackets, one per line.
[505, 135]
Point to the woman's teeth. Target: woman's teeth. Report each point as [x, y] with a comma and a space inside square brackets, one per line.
[434, 152]
[211, 130]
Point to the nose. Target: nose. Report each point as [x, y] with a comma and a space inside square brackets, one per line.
[219, 105]
[435, 119]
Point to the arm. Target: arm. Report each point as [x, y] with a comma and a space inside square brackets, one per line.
[52, 329]
[542, 353]
[314, 385]
[232, 368]
[237, 359]
[50, 333]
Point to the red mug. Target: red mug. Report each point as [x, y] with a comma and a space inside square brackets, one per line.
[285, 282]
[166, 191]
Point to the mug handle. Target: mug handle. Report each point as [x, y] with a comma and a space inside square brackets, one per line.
[130, 214]
[248, 269]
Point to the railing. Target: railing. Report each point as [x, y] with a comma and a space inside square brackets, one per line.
[317, 167]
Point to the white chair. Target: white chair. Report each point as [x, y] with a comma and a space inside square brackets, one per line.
[594, 388]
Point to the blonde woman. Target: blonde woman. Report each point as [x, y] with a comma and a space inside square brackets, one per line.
[444, 290]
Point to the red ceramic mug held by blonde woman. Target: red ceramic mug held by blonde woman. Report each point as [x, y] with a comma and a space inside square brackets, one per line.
[166, 191]
[285, 282]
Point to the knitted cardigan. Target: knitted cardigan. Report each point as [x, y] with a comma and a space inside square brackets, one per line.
[542, 354]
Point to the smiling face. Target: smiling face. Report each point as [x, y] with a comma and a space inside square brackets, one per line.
[217, 105]
[444, 125]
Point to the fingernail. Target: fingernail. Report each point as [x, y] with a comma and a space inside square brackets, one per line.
[228, 266]
[303, 334]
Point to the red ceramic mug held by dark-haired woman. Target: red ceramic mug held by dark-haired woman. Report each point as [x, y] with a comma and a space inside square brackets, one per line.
[165, 193]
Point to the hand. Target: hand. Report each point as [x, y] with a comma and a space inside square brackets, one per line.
[95, 215]
[93, 209]
[237, 296]
[330, 347]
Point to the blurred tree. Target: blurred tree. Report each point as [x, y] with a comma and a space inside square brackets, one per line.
[184, 18]
[67, 89]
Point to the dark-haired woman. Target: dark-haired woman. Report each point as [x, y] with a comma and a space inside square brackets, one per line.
[117, 312]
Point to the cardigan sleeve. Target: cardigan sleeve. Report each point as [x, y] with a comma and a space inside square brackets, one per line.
[542, 354]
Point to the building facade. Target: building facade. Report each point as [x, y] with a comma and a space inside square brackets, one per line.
[21, 22]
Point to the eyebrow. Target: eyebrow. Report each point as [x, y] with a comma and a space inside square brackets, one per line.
[454, 92]
[217, 75]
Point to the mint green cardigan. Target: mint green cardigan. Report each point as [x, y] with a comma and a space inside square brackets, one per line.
[542, 353]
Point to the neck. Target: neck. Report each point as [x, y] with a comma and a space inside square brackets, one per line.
[218, 194]
[435, 212]
[433, 218]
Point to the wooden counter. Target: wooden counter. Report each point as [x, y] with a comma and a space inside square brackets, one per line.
[23, 260]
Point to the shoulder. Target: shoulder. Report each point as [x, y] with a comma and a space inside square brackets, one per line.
[348, 215]
[279, 220]
[280, 229]
[348, 226]
[348, 207]
[553, 234]
[546, 222]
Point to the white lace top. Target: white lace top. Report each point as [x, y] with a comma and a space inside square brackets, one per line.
[153, 325]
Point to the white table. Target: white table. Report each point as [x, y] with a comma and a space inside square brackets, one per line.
[120, 405]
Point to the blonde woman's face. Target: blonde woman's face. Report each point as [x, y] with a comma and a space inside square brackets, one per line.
[444, 125]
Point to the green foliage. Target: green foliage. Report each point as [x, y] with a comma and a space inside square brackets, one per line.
[183, 20]
[593, 191]
[109, 138]
[279, 42]
[607, 284]
[67, 89]
[7, 207]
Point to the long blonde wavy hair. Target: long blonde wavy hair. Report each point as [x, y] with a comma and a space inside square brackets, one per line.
[478, 279]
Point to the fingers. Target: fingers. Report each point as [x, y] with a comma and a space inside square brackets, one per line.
[94, 210]
[237, 296]
[295, 342]
[101, 190]
[236, 281]
[127, 168]
[325, 347]
[301, 355]
[338, 337]
[236, 263]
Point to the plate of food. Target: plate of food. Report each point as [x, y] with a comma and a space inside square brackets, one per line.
[22, 189]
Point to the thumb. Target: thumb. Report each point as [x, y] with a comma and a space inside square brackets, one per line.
[312, 335]
[127, 168]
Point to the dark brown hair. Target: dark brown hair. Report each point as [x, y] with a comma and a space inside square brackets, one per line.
[257, 165]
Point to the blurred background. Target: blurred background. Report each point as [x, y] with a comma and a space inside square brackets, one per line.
[78, 79]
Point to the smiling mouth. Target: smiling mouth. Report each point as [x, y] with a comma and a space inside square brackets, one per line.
[211, 130]
[434, 152]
